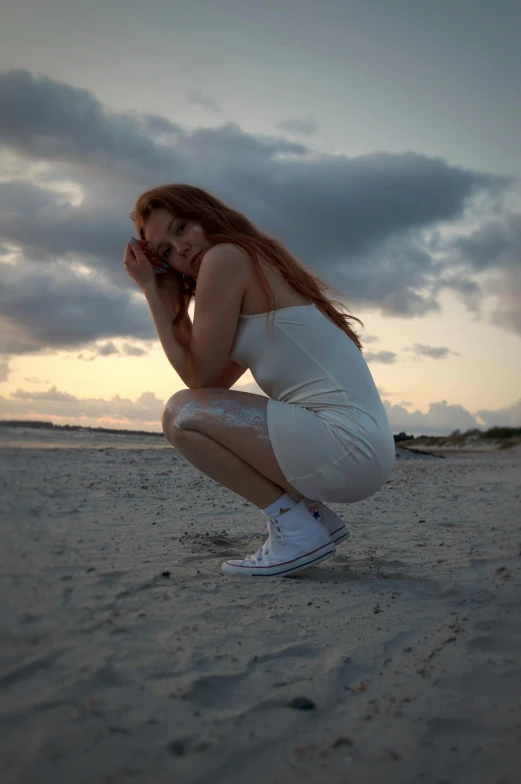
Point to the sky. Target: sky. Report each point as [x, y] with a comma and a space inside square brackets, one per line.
[380, 141]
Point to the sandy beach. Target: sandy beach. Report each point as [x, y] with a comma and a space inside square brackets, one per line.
[127, 656]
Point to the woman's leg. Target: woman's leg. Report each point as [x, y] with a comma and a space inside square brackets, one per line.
[224, 434]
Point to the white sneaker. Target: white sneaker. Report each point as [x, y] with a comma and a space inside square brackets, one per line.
[295, 541]
[333, 524]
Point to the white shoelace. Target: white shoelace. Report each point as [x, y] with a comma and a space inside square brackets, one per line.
[312, 511]
[272, 528]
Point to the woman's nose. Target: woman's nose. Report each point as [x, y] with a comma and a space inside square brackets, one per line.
[181, 247]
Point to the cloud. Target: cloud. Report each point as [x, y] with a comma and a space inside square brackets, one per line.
[301, 126]
[59, 308]
[375, 226]
[493, 252]
[431, 352]
[4, 371]
[441, 419]
[507, 290]
[107, 349]
[64, 408]
[48, 120]
[110, 349]
[502, 417]
[385, 357]
[206, 101]
[496, 242]
[129, 350]
[52, 394]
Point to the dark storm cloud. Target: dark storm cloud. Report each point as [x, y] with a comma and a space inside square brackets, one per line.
[61, 309]
[49, 120]
[206, 101]
[496, 242]
[47, 227]
[367, 224]
[303, 126]
[493, 249]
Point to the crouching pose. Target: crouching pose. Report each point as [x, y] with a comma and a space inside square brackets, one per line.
[321, 434]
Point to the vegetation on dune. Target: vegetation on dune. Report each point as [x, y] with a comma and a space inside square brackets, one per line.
[504, 437]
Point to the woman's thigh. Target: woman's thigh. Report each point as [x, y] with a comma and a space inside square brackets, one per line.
[236, 420]
[323, 459]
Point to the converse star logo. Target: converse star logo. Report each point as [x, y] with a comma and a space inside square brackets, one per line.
[316, 514]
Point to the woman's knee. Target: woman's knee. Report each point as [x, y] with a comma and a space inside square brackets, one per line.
[175, 414]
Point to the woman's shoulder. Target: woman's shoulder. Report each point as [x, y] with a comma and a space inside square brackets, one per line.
[226, 250]
[227, 259]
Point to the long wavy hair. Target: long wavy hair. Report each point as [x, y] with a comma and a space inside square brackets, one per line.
[220, 224]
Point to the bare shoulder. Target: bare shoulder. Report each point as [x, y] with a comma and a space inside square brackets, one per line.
[227, 259]
[224, 271]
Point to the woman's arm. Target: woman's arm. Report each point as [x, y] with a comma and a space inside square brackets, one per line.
[162, 304]
[228, 376]
[162, 316]
[231, 371]
[221, 283]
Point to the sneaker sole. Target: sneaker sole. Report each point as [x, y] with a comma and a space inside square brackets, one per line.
[340, 534]
[304, 562]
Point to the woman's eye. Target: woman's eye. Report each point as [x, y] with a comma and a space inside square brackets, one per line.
[181, 228]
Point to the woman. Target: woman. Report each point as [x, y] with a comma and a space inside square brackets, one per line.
[322, 433]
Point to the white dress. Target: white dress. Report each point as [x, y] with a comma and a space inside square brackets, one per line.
[327, 424]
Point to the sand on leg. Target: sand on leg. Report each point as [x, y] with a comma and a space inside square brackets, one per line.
[224, 434]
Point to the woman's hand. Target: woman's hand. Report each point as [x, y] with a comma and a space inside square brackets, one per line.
[139, 268]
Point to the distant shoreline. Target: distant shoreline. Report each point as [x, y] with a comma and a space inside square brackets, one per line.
[37, 425]
[493, 438]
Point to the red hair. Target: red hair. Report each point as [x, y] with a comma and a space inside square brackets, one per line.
[223, 224]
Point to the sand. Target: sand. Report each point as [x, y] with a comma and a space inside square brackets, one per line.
[127, 656]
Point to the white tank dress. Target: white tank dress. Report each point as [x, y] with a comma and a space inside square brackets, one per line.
[327, 424]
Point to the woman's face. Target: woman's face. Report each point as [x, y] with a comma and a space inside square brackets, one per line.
[179, 242]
